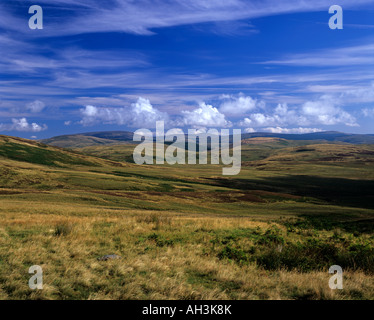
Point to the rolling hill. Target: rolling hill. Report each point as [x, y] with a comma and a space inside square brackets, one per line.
[78, 141]
[89, 139]
[33, 152]
[81, 140]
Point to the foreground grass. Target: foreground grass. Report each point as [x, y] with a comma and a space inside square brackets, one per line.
[166, 256]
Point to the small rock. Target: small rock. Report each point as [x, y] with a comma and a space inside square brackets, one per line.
[109, 257]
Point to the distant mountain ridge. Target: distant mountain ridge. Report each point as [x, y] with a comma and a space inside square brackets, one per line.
[111, 135]
[117, 137]
[332, 136]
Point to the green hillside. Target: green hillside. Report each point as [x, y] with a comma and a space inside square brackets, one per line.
[118, 137]
[78, 141]
[90, 139]
[34, 152]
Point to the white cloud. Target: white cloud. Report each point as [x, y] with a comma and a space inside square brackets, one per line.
[22, 125]
[237, 105]
[359, 95]
[143, 114]
[67, 123]
[357, 55]
[140, 115]
[281, 115]
[299, 130]
[326, 111]
[249, 130]
[262, 120]
[90, 111]
[367, 112]
[205, 116]
[176, 131]
[35, 106]
[323, 111]
[282, 109]
[245, 122]
[142, 16]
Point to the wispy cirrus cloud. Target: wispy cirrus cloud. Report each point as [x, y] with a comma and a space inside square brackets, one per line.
[143, 16]
[68, 65]
[354, 55]
[22, 56]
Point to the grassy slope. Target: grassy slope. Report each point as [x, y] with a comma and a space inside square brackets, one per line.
[77, 141]
[187, 232]
[90, 139]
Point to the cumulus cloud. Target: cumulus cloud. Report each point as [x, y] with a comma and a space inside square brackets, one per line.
[306, 117]
[144, 114]
[327, 112]
[176, 131]
[35, 106]
[262, 120]
[22, 125]
[140, 114]
[323, 111]
[237, 105]
[245, 122]
[291, 130]
[205, 116]
[279, 116]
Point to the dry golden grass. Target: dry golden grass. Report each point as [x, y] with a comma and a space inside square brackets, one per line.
[183, 270]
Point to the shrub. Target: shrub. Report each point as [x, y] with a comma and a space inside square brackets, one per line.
[234, 254]
[317, 255]
[160, 240]
[271, 237]
[63, 229]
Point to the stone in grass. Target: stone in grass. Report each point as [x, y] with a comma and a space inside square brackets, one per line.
[109, 257]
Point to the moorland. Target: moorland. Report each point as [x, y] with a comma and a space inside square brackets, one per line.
[185, 231]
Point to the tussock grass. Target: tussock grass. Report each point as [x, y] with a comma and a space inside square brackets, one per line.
[157, 219]
[179, 260]
[63, 229]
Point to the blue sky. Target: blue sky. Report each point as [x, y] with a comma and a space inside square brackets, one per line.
[123, 65]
